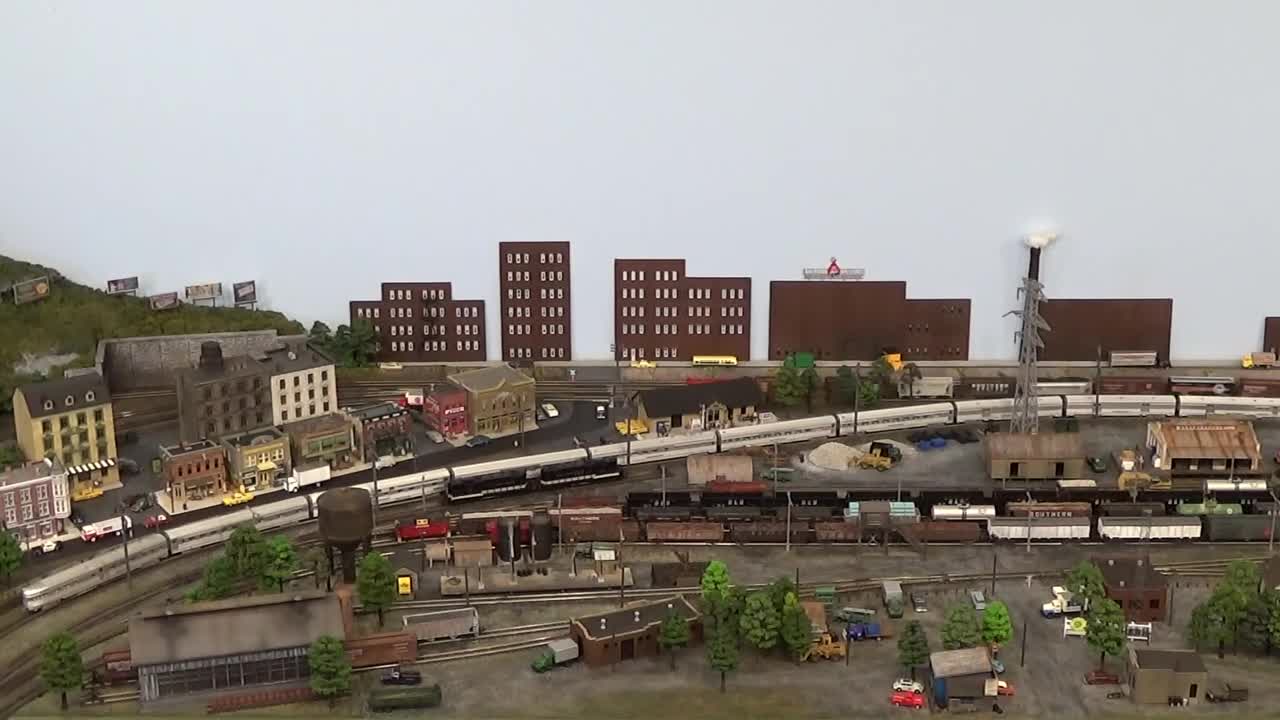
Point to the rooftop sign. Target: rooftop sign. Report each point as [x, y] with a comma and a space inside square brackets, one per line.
[833, 271]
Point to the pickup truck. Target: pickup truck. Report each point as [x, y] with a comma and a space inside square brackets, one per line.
[1063, 603]
[865, 631]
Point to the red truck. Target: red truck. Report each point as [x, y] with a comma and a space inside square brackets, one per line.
[421, 529]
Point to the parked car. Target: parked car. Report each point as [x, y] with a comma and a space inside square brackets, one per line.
[155, 521]
[1097, 464]
[979, 600]
[854, 614]
[237, 498]
[907, 699]
[1226, 692]
[1004, 688]
[127, 466]
[435, 437]
[479, 441]
[918, 603]
[997, 666]
[904, 685]
[539, 415]
[550, 410]
[401, 676]
[128, 437]
[76, 518]
[139, 502]
[1098, 677]
[48, 546]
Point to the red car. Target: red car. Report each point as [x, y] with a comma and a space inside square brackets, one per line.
[907, 699]
[1097, 677]
[155, 521]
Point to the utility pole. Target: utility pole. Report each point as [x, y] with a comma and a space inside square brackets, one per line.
[1026, 404]
[775, 468]
[375, 485]
[560, 519]
[1097, 384]
[857, 393]
[524, 450]
[626, 405]
[515, 549]
[622, 575]
[662, 469]
[1023, 662]
[125, 527]
[1271, 538]
[788, 521]
[994, 559]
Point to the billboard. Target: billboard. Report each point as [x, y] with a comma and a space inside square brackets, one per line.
[166, 301]
[123, 286]
[246, 293]
[833, 271]
[31, 290]
[208, 291]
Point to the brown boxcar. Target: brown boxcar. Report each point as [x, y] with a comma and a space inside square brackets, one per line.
[593, 527]
[386, 649]
[1049, 510]
[684, 532]
[1134, 509]
[1127, 385]
[837, 531]
[956, 531]
[116, 667]
[767, 532]
[1255, 387]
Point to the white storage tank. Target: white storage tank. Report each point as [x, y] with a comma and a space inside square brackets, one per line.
[963, 512]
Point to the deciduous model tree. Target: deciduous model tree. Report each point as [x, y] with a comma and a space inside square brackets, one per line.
[846, 385]
[10, 555]
[376, 583]
[997, 627]
[715, 584]
[796, 630]
[1105, 631]
[1273, 603]
[809, 382]
[779, 590]
[281, 562]
[722, 646]
[1255, 626]
[247, 550]
[60, 665]
[960, 630]
[913, 647]
[674, 634]
[318, 561]
[1085, 581]
[218, 582]
[760, 621]
[788, 387]
[330, 669]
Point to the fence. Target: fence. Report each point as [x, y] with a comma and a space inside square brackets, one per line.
[260, 698]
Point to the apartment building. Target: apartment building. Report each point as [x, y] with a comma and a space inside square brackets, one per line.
[534, 284]
[660, 313]
[70, 421]
[35, 500]
[194, 471]
[422, 322]
[222, 396]
[303, 384]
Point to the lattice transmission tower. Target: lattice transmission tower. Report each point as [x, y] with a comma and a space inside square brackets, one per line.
[1026, 403]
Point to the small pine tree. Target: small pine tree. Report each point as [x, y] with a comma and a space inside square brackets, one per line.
[722, 647]
[846, 384]
[809, 383]
[10, 555]
[960, 630]
[1105, 631]
[247, 550]
[760, 621]
[796, 630]
[376, 583]
[1255, 627]
[330, 668]
[997, 627]
[61, 667]
[281, 562]
[674, 634]
[715, 584]
[913, 647]
[1085, 581]
[788, 388]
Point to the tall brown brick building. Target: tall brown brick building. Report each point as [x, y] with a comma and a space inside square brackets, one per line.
[534, 283]
[842, 320]
[422, 322]
[660, 313]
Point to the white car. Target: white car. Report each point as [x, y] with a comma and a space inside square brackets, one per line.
[904, 685]
[550, 410]
[435, 437]
[49, 546]
[979, 600]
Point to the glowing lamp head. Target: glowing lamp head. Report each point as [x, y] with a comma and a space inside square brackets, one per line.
[1040, 241]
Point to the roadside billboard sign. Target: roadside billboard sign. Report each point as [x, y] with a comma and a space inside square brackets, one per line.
[207, 291]
[246, 293]
[123, 286]
[165, 301]
[31, 290]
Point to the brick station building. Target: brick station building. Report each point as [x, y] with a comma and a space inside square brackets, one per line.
[445, 410]
[631, 632]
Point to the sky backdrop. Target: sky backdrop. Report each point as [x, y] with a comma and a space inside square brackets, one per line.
[321, 148]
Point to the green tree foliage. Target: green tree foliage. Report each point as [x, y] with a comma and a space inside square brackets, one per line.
[60, 665]
[330, 669]
[722, 645]
[997, 627]
[760, 621]
[351, 345]
[913, 647]
[1242, 576]
[1085, 581]
[715, 584]
[788, 387]
[376, 583]
[1209, 626]
[10, 456]
[1273, 608]
[809, 383]
[846, 385]
[779, 590]
[1255, 626]
[218, 582]
[909, 374]
[868, 395]
[247, 550]
[960, 630]
[281, 562]
[1105, 631]
[320, 335]
[318, 562]
[674, 634]
[796, 630]
[10, 555]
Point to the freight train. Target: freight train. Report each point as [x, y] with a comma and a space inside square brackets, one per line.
[587, 465]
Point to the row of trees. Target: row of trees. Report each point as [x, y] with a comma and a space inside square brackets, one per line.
[794, 386]
[1105, 629]
[353, 345]
[248, 559]
[1239, 611]
[10, 555]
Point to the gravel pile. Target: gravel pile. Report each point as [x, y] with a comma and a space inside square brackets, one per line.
[834, 456]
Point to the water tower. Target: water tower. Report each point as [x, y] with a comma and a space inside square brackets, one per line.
[345, 522]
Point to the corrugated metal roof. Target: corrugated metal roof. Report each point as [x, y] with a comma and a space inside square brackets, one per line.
[967, 661]
[1038, 446]
[491, 378]
[1199, 439]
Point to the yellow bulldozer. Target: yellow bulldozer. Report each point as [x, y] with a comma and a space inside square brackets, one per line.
[825, 647]
[880, 456]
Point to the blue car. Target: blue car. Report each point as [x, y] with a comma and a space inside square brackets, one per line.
[479, 441]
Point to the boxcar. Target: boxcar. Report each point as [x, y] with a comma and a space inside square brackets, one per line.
[1256, 387]
[726, 513]
[1122, 385]
[1192, 385]
[1238, 527]
[649, 513]
[837, 531]
[771, 532]
[991, 387]
[949, 531]
[445, 624]
[1134, 509]
[1049, 510]
[1154, 528]
[590, 528]
[729, 487]
[1061, 528]
[684, 532]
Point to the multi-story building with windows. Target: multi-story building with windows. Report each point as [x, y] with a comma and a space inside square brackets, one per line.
[222, 396]
[500, 400]
[302, 383]
[194, 471]
[660, 313]
[35, 500]
[324, 439]
[421, 322]
[258, 460]
[69, 421]
[533, 278]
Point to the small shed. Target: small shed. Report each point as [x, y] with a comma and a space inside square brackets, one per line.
[1039, 456]
[960, 674]
[1157, 675]
[703, 469]
[473, 552]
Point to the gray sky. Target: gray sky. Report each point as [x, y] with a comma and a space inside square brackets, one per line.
[323, 147]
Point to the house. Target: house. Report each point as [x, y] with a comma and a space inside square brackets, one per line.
[382, 429]
[35, 499]
[1155, 676]
[1040, 456]
[194, 471]
[258, 460]
[698, 407]
[70, 421]
[323, 439]
[444, 410]
[1136, 587]
[630, 632]
[960, 674]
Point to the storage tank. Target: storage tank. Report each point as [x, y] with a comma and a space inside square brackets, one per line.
[508, 540]
[345, 520]
[543, 538]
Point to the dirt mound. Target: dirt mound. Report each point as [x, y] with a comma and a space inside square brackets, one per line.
[834, 456]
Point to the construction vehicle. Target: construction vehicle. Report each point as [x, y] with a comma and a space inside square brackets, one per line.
[825, 648]
[1259, 360]
[1063, 603]
[893, 359]
[1132, 476]
[880, 456]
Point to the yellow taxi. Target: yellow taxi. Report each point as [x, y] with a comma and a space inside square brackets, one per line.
[237, 498]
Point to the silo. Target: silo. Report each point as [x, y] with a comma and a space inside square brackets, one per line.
[543, 538]
[508, 538]
[345, 520]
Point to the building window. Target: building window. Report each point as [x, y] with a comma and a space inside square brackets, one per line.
[297, 397]
[284, 414]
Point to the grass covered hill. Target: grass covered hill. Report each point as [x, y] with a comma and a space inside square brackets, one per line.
[75, 317]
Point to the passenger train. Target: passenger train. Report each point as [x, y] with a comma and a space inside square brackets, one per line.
[591, 464]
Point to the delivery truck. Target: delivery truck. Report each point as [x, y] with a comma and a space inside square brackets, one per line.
[303, 478]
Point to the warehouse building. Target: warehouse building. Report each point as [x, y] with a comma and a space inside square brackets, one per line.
[1040, 456]
[1155, 676]
[698, 407]
[1204, 447]
[960, 675]
[631, 632]
[1136, 587]
[226, 647]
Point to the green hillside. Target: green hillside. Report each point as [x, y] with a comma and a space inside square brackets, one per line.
[75, 317]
